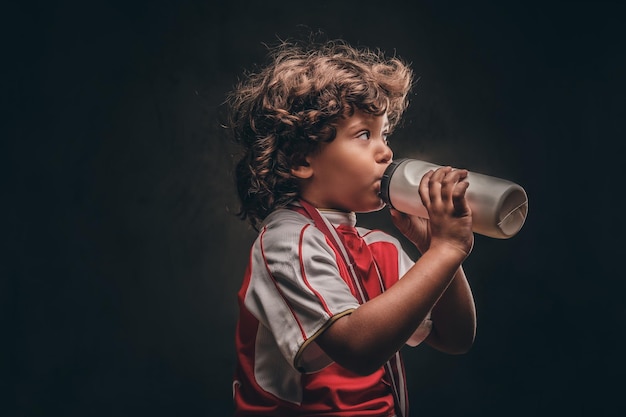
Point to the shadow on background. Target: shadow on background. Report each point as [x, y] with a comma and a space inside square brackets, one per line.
[123, 257]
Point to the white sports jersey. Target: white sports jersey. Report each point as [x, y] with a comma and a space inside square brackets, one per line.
[294, 288]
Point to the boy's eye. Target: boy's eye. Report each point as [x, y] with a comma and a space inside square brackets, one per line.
[364, 135]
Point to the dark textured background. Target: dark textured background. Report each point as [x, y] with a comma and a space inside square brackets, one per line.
[122, 262]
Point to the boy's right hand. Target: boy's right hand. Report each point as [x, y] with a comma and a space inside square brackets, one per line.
[450, 217]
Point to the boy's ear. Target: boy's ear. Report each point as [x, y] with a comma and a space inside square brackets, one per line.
[302, 171]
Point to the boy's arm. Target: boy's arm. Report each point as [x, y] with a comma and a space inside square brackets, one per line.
[364, 340]
[454, 318]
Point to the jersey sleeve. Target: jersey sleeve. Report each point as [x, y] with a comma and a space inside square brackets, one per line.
[404, 261]
[296, 291]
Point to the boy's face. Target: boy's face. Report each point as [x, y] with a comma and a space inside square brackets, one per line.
[346, 173]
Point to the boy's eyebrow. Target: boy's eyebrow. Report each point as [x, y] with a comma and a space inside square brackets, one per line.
[364, 123]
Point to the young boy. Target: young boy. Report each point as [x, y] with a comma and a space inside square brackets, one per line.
[325, 307]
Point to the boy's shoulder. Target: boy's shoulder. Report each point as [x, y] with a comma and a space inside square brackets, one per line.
[284, 224]
[285, 231]
[285, 219]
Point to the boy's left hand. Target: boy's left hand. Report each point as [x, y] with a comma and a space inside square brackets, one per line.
[415, 228]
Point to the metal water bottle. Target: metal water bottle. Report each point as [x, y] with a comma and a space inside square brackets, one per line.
[499, 207]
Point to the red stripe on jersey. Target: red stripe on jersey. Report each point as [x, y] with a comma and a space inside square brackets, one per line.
[304, 278]
[267, 267]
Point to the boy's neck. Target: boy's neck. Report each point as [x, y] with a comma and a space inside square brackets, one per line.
[339, 217]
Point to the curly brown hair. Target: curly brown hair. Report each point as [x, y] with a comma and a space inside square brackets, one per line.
[283, 112]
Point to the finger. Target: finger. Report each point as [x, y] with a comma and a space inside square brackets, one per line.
[459, 202]
[397, 216]
[435, 184]
[450, 181]
[440, 173]
[424, 188]
[403, 223]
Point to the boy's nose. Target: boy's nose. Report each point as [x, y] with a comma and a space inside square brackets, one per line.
[386, 154]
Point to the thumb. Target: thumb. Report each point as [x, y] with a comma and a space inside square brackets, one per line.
[400, 219]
